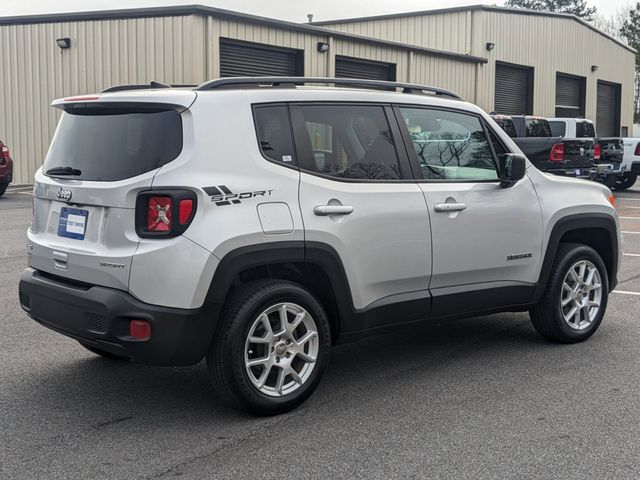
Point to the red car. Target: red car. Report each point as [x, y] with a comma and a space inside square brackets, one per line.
[6, 168]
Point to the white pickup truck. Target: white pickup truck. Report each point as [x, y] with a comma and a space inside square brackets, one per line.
[609, 151]
[630, 163]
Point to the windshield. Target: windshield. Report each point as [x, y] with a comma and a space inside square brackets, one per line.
[107, 147]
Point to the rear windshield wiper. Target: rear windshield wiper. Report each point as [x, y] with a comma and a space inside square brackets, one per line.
[63, 171]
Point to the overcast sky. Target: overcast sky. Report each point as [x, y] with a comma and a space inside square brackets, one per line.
[293, 10]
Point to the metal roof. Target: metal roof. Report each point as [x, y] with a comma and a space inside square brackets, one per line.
[469, 8]
[222, 13]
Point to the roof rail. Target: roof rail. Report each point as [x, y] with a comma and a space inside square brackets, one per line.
[256, 82]
[142, 86]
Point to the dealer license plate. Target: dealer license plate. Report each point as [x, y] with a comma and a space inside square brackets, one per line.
[73, 223]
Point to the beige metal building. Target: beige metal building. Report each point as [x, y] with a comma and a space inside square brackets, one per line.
[45, 57]
[547, 64]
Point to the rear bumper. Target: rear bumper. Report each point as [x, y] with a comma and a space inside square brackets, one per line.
[100, 317]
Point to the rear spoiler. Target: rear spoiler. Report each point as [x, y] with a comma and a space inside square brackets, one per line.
[139, 100]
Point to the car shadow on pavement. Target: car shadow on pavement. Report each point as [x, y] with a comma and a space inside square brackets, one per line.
[104, 392]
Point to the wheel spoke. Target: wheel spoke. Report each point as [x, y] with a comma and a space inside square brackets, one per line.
[567, 301]
[284, 320]
[590, 275]
[586, 310]
[297, 321]
[280, 381]
[263, 376]
[581, 271]
[570, 314]
[257, 361]
[295, 376]
[306, 337]
[264, 319]
[305, 357]
[574, 277]
[594, 304]
[264, 339]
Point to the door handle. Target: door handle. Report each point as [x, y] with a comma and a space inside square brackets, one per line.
[449, 207]
[324, 210]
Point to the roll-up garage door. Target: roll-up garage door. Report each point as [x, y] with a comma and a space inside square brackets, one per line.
[569, 96]
[608, 110]
[514, 90]
[347, 67]
[244, 59]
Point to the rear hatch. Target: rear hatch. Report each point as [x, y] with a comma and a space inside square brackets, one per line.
[106, 150]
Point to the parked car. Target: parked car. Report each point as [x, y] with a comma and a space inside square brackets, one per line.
[609, 165]
[630, 163]
[6, 168]
[552, 154]
[255, 222]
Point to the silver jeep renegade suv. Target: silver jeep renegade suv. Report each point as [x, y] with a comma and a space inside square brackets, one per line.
[254, 222]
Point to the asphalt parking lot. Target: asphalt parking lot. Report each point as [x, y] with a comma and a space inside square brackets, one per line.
[479, 398]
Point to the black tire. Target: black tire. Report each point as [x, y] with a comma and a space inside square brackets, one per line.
[626, 181]
[547, 315]
[3, 188]
[226, 357]
[102, 353]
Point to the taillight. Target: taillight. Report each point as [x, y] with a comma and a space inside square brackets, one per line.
[4, 154]
[597, 152]
[164, 213]
[557, 153]
[186, 209]
[159, 214]
[637, 152]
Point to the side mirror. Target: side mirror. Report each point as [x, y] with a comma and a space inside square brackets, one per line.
[512, 168]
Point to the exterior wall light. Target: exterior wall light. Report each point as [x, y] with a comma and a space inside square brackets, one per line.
[491, 46]
[594, 68]
[323, 47]
[64, 42]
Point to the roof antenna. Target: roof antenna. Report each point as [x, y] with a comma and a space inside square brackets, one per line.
[310, 17]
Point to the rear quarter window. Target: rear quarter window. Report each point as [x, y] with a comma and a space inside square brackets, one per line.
[114, 146]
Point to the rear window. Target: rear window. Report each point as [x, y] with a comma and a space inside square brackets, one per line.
[108, 147]
[537, 127]
[558, 129]
[585, 130]
[507, 125]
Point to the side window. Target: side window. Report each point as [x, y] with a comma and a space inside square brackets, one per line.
[351, 142]
[450, 145]
[274, 133]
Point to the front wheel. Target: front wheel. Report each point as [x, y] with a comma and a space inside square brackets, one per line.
[272, 347]
[3, 188]
[626, 181]
[575, 299]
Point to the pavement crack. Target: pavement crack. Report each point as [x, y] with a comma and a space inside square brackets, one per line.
[113, 421]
